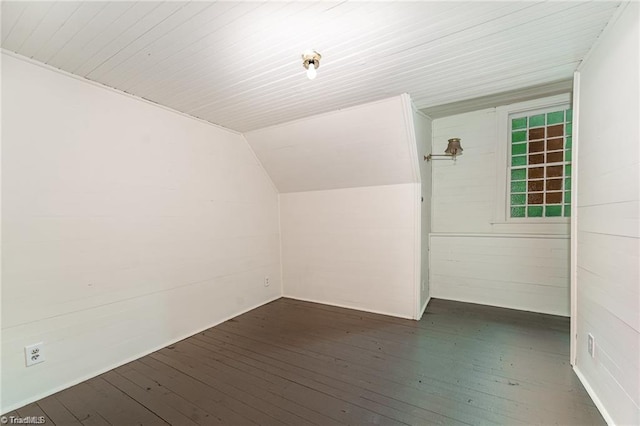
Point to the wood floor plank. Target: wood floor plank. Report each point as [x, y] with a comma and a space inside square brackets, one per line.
[130, 410]
[260, 333]
[248, 360]
[245, 386]
[78, 403]
[485, 363]
[498, 331]
[333, 407]
[388, 341]
[298, 390]
[408, 388]
[451, 311]
[228, 410]
[33, 411]
[114, 406]
[232, 383]
[167, 397]
[487, 356]
[145, 397]
[515, 326]
[298, 363]
[57, 412]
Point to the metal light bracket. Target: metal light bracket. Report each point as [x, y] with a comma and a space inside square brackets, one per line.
[446, 157]
[311, 56]
[453, 149]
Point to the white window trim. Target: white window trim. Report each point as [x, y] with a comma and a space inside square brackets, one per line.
[501, 214]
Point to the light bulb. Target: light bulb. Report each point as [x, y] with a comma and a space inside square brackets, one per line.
[311, 71]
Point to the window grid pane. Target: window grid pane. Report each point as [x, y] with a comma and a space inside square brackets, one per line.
[540, 165]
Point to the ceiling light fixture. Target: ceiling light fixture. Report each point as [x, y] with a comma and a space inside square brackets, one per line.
[311, 61]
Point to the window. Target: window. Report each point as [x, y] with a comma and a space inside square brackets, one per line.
[539, 172]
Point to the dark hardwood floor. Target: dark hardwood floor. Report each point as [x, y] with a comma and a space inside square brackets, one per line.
[300, 363]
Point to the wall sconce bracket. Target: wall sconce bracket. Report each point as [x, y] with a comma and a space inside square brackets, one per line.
[453, 150]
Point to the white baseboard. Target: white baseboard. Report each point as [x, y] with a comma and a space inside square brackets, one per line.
[342, 305]
[599, 405]
[85, 377]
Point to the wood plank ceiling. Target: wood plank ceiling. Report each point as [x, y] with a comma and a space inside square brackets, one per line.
[238, 64]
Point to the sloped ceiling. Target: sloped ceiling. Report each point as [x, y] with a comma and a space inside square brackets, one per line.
[237, 64]
[366, 145]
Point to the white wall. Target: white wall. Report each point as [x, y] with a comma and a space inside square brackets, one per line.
[353, 247]
[477, 256]
[608, 221]
[422, 126]
[529, 273]
[125, 227]
[349, 206]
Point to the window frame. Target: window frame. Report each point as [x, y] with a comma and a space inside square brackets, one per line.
[503, 157]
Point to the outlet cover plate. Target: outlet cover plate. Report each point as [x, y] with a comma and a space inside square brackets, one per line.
[34, 354]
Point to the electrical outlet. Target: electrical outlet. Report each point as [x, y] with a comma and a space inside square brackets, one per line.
[591, 345]
[267, 281]
[34, 354]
